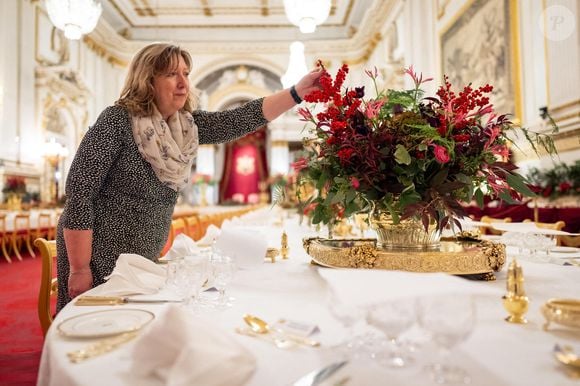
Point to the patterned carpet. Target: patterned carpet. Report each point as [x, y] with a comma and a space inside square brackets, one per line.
[20, 334]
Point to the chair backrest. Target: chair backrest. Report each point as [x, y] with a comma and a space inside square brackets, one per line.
[192, 229]
[48, 283]
[558, 225]
[570, 241]
[177, 226]
[490, 220]
[4, 238]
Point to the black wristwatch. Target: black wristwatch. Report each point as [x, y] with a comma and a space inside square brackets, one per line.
[295, 95]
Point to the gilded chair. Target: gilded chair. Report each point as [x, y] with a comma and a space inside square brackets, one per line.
[48, 283]
[21, 234]
[4, 238]
[177, 226]
[491, 220]
[43, 227]
[570, 241]
[557, 226]
[204, 222]
[192, 226]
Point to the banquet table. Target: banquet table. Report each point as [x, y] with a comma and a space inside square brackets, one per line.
[496, 352]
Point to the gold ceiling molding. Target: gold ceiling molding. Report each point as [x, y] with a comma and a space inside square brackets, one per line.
[441, 6]
[219, 98]
[371, 45]
[114, 4]
[147, 10]
[103, 52]
[206, 9]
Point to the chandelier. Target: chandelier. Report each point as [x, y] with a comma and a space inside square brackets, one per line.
[307, 14]
[296, 65]
[74, 17]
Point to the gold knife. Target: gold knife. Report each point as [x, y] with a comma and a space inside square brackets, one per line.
[88, 300]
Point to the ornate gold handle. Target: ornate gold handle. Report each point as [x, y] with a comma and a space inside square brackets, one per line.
[101, 347]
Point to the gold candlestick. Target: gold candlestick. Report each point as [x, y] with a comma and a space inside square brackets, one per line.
[515, 301]
[284, 247]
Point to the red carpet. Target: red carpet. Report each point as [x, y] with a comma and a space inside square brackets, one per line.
[20, 334]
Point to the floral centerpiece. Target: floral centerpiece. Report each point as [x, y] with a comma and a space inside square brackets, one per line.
[14, 189]
[14, 185]
[560, 181]
[406, 156]
[201, 179]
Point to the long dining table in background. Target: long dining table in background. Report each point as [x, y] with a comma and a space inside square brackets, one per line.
[496, 352]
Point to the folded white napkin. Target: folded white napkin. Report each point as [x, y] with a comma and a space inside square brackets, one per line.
[178, 349]
[133, 274]
[211, 234]
[184, 245]
[359, 286]
[247, 248]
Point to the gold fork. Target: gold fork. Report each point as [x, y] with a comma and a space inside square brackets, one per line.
[101, 347]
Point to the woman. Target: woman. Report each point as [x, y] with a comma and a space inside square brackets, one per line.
[125, 178]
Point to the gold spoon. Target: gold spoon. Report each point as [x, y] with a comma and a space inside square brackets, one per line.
[566, 355]
[278, 342]
[260, 326]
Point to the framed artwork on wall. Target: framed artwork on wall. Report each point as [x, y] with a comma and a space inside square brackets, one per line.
[480, 46]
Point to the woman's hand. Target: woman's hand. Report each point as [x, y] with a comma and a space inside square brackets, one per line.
[79, 282]
[309, 82]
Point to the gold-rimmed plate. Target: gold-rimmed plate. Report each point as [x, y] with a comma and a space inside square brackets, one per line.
[104, 323]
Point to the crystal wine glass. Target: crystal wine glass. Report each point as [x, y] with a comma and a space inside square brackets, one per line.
[348, 315]
[449, 320]
[393, 318]
[192, 274]
[223, 269]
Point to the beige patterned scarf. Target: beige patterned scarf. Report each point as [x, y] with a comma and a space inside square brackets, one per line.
[169, 147]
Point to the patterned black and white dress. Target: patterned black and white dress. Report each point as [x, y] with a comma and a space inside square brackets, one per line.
[112, 190]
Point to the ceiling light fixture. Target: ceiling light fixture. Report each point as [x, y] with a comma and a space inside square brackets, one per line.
[74, 17]
[296, 65]
[307, 14]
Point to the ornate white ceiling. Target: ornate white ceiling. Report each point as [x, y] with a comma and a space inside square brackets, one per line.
[228, 20]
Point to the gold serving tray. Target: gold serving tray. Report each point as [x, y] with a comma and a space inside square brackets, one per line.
[480, 258]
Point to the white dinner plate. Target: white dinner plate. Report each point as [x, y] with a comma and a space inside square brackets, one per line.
[105, 323]
[564, 249]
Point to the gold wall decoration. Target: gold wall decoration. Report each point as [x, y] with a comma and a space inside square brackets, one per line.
[245, 165]
[51, 49]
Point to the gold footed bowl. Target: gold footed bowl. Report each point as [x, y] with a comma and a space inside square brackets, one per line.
[408, 234]
[479, 259]
[565, 312]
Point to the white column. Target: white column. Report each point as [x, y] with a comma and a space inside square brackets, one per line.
[419, 41]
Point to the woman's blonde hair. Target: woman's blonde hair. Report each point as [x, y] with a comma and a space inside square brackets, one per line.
[138, 94]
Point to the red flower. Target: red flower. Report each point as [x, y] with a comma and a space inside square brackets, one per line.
[305, 114]
[344, 154]
[564, 186]
[373, 108]
[309, 208]
[354, 182]
[300, 164]
[441, 154]
[461, 137]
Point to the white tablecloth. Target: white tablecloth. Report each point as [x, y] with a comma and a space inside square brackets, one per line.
[496, 353]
